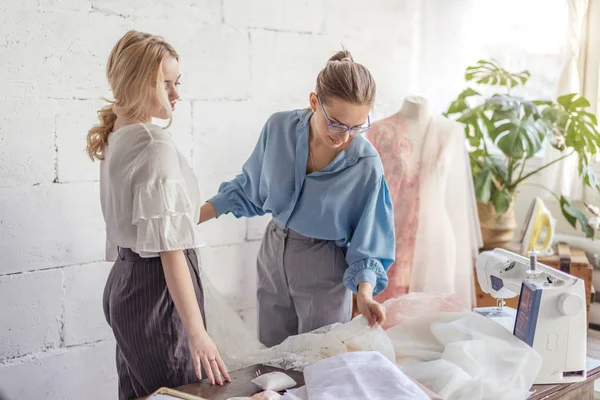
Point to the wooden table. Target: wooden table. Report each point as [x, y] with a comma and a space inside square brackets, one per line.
[241, 386]
[573, 391]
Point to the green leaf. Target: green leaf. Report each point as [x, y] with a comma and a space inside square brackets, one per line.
[591, 116]
[568, 211]
[573, 215]
[580, 102]
[474, 141]
[517, 137]
[468, 92]
[460, 104]
[518, 105]
[469, 117]
[457, 106]
[589, 177]
[491, 73]
[501, 200]
[503, 103]
[500, 167]
[475, 130]
[578, 127]
[565, 100]
[483, 185]
[550, 114]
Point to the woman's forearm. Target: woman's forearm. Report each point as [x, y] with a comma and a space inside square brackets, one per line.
[179, 283]
[207, 212]
[365, 289]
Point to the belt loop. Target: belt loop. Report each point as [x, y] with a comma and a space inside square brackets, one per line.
[121, 256]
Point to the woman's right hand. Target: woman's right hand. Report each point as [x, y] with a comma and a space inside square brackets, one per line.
[205, 354]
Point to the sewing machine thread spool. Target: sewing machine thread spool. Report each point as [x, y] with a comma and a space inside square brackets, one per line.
[533, 272]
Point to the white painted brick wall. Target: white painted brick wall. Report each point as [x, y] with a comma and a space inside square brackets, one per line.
[305, 16]
[280, 73]
[50, 225]
[241, 61]
[74, 373]
[27, 149]
[31, 312]
[73, 120]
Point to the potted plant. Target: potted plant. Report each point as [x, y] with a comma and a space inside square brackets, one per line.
[505, 131]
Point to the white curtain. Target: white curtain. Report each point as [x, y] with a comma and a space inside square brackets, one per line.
[562, 177]
[591, 83]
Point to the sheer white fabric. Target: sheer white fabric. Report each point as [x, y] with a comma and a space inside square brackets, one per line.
[465, 356]
[458, 355]
[149, 194]
[358, 376]
[448, 235]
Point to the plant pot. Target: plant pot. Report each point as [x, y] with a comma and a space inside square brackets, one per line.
[496, 230]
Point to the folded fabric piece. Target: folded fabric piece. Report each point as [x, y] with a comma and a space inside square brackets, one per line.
[276, 381]
[358, 376]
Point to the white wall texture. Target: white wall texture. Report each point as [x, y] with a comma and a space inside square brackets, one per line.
[241, 60]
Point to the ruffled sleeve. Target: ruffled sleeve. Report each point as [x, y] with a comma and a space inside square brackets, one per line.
[163, 212]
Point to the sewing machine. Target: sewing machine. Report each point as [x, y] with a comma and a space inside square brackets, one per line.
[551, 315]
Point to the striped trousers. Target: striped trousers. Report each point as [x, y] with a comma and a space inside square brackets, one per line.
[152, 348]
[300, 285]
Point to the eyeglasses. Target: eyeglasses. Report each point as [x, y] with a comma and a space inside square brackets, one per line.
[341, 128]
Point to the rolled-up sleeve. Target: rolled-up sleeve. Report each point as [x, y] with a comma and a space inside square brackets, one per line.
[241, 196]
[372, 246]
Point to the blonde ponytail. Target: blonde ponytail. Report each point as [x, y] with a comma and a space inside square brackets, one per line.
[97, 137]
[133, 68]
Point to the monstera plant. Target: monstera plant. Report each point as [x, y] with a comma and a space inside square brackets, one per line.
[505, 131]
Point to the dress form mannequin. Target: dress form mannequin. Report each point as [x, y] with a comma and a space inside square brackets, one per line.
[398, 139]
[417, 113]
[437, 230]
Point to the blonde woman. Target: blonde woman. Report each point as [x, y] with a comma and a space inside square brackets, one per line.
[153, 298]
[333, 228]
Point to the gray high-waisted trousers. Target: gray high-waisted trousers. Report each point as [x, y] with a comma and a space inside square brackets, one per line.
[152, 347]
[300, 285]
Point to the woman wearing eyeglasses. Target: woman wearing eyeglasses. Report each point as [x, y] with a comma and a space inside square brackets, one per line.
[332, 231]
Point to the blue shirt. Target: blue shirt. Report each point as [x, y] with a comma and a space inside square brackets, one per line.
[347, 202]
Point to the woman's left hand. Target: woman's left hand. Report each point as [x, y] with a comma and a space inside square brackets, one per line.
[369, 308]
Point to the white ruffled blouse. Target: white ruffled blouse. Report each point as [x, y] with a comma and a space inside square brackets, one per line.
[149, 194]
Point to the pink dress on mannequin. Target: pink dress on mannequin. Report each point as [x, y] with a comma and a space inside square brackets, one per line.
[401, 161]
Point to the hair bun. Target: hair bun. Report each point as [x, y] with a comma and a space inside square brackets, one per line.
[342, 56]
